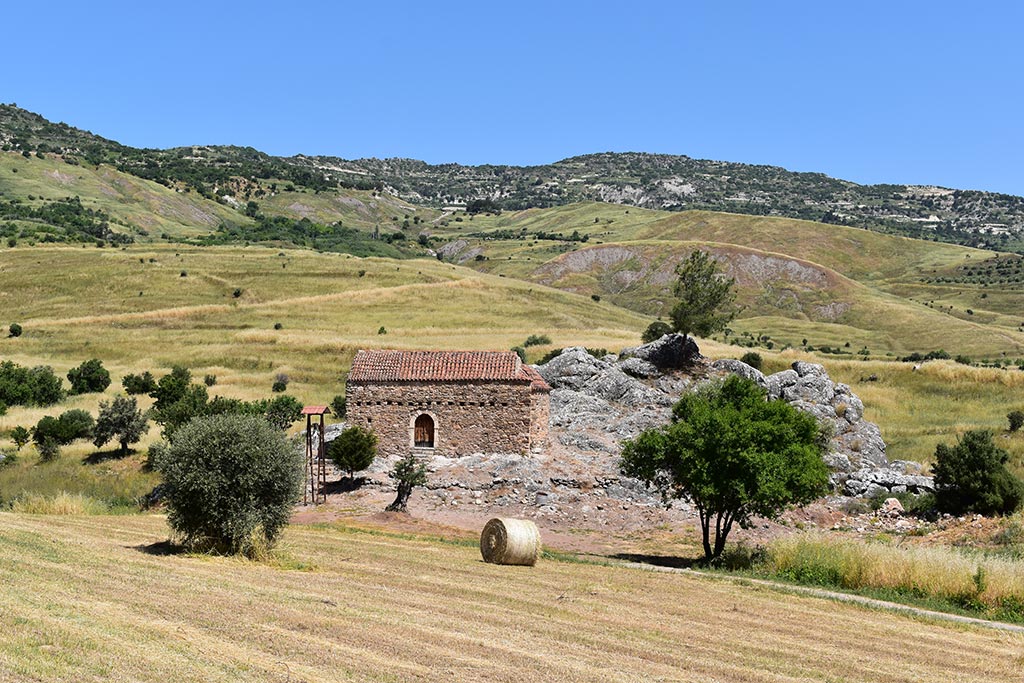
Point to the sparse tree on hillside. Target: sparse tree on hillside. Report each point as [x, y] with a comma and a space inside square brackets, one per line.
[735, 454]
[705, 297]
[172, 387]
[20, 436]
[139, 384]
[121, 421]
[89, 377]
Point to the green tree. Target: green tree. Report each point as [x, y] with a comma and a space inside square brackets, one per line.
[14, 330]
[122, 421]
[139, 384]
[353, 450]
[193, 403]
[1016, 419]
[282, 411]
[89, 377]
[735, 454]
[230, 482]
[50, 433]
[339, 406]
[753, 359]
[972, 477]
[407, 474]
[655, 331]
[172, 387]
[20, 436]
[705, 298]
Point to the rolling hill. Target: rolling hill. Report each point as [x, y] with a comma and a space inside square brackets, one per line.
[653, 181]
[836, 286]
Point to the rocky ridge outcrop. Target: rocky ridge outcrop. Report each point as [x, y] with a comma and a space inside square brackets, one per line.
[857, 456]
[596, 403]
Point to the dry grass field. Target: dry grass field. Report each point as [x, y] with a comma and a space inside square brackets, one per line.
[146, 308]
[91, 599]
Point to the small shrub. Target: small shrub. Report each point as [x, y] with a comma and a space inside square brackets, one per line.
[14, 330]
[362, 273]
[209, 380]
[339, 406]
[282, 411]
[1016, 419]
[972, 477]
[230, 482]
[89, 377]
[595, 297]
[354, 450]
[278, 326]
[49, 449]
[60, 431]
[382, 330]
[139, 384]
[550, 355]
[184, 273]
[537, 340]
[280, 383]
[520, 351]
[655, 331]
[753, 359]
[20, 435]
[963, 360]
[237, 293]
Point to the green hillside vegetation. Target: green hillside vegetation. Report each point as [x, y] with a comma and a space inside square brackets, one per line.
[656, 181]
[136, 207]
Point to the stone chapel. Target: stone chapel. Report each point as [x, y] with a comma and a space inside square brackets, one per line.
[451, 403]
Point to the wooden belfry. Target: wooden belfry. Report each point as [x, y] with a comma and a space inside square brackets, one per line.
[316, 457]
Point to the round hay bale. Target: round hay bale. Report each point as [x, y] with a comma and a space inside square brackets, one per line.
[510, 541]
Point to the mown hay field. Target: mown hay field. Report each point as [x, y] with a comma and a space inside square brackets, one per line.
[89, 599]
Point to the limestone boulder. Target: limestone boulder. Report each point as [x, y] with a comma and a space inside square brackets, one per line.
[671, 352]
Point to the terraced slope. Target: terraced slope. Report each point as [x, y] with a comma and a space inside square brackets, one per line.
[91, 599]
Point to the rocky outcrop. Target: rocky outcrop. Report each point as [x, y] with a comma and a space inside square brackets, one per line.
[671, 352]
[857, 456]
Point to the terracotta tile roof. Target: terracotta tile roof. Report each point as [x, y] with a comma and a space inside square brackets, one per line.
[439, 366]
[537, 382]
[316, 410]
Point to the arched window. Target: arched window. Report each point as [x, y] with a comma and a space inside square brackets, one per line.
[424, 432]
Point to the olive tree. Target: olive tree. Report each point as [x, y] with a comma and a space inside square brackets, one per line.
[407, 474]
[230, 482]
[120, 420]
[735, 454]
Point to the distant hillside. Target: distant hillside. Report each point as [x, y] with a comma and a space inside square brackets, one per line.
[674, 183]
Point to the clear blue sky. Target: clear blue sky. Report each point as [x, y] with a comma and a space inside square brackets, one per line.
[915, 92]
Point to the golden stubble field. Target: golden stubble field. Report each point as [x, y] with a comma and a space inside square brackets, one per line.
[88, 599]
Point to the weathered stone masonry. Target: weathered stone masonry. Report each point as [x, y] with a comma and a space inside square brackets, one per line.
[449, 403]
